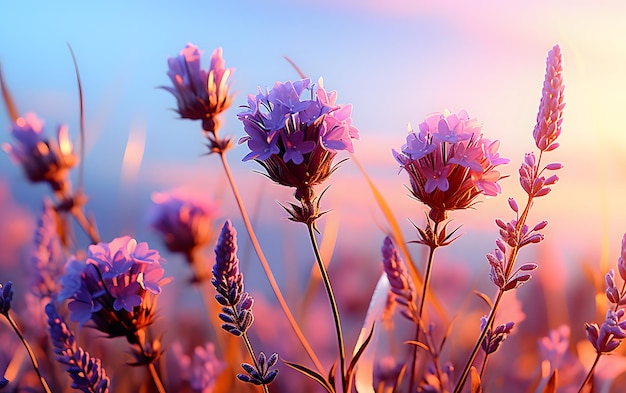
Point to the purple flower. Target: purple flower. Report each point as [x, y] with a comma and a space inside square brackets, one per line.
[294, 135]
[6, 296]
[115, 287]
[264, 375]
[185, 223]
[609, 335]
[200, 94]
[86, 372]
[43, 160]
[550, 115]
[46, 254]
[449, 163]
[228, 281]
[401, 283]
[495, 337]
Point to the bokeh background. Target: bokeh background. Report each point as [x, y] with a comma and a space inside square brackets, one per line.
[394, 60]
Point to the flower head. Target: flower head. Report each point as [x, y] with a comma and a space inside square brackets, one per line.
[200, 94]
[550, 115]
[43, 160]
[46, 255]
[401, 283]
[610, 334]
[495, 337]
[185, 223]
[115, 287]
[6, 296]
[295, 130]
[449, 163]
[228, 281]
[86, 372]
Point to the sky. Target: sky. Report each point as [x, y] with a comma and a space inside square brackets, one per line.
[395, 61]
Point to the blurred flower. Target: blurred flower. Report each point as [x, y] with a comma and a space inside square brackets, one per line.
[42, 159]
[46, 254]
[296, 139]
[200, 94]
[6, 296]
[401, 283]
[449, 163]
[554, 347]
[86, 372]
[434, 383]
[201, 369]
[186, 223]
[116, 287]
[550, 114]
[228, 281]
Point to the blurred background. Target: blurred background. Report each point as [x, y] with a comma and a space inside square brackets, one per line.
[395, 61]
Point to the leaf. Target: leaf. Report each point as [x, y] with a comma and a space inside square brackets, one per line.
[485, 298]
[551, 386]
[8, 99]
[358, 353]
[419, 345]
[475, 381]
[331, 375]
[311, 374]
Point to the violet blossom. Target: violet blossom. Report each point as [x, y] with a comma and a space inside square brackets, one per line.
[400, 281]
[6, 297]
[46, 256]
[200, 94]
[295, 130]
[116, 287]
[43, 159]
[450, 163]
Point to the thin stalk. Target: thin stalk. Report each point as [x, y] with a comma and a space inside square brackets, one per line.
[268, 271]
[153, 373]
[156, 378]
[590, 373]
[429, 267]
[31, 354]
[481, 338]
[333, 305]
[85, 224]
[253, 356]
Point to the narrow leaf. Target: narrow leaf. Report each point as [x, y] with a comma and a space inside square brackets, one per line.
[358, 354]
[551, 386]
[485, 298]
[475, 381]
[311, 374]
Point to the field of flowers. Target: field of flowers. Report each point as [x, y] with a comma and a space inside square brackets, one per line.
[106, 314]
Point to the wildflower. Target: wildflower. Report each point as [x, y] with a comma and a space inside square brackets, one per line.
[86, 372]
[550, 115]
[449, 163]
[621, 261]
[184, 222]
[296, 138]
[42, 159]
[609, 335]
[6, 296]
[46, 254]
[435, 382]
[116, 287]
[401, 283]
[554, 347]
[263, 374]
[228, 281]
[494, 339]
[200, 94]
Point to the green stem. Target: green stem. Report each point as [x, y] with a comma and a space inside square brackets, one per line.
[333, 305]
[268, 271]
[590, 373]
[31, 354]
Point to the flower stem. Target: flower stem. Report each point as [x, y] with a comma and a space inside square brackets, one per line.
[333, 305]
[156, 378]
[85, 224]
[590, 373]
[253, 357]
[31, 354]
[268, 271]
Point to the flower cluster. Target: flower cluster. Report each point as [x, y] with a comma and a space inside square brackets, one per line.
[201, 369]
[494, 338]
[43, 160]
[200, 94]
[294, 138]
[115, 287]
[264, 374]
[185, 223]
[450, 163]
[86, 372]
[401, 283]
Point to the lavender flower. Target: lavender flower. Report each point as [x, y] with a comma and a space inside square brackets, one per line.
[228, 281]
[43, 160]
[116, 287]
[401, 283]
[86, 372]
[200, 94]
[46, 254]
[550, 115]
[185, 223]
[609, 335]
[450, 163]
[296, 139]
[495, 337]
[6, 296]
[264, 374]
[621, 261]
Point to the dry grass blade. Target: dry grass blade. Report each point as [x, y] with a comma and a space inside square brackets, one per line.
[475, 386]
[551, 386]
[8, 99]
